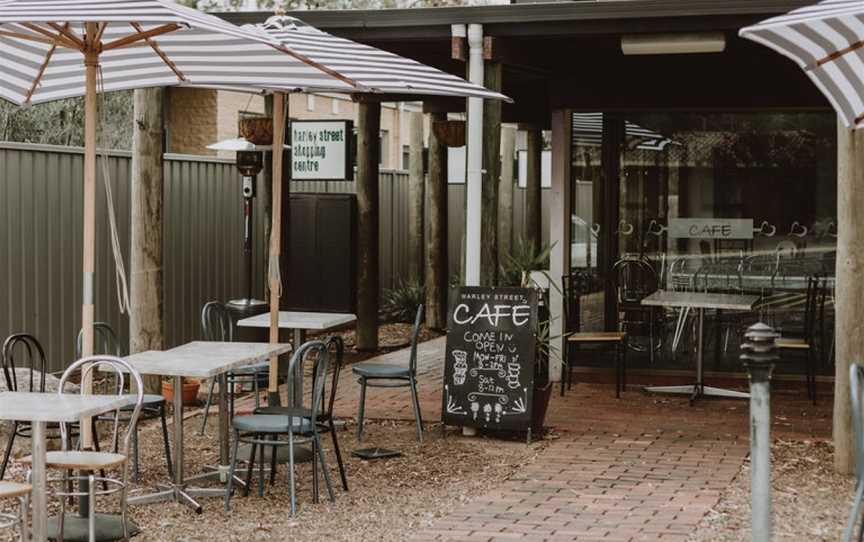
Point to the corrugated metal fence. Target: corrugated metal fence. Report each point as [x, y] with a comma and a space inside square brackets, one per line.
[40, 240]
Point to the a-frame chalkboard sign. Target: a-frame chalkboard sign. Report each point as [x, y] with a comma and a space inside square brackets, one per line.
[491, 350]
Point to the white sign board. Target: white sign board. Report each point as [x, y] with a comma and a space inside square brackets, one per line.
[711, 228]
[321, 150]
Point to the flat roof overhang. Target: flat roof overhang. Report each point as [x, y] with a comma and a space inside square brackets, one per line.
[567, 54]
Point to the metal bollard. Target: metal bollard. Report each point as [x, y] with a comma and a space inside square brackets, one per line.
[759, 357]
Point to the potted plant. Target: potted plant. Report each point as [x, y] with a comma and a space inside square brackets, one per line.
[189, 392]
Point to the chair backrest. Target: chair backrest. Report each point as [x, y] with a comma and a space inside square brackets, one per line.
[23, 351]
[814, 307]
[633, 279]
[574, 286]
[856, 384]
[318, 353]
[119, 369]
[216, 322]
[336, 349]
[415, 336]
[104, 341]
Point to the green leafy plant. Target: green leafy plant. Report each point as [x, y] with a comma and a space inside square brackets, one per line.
[524, 259]
[400, 304]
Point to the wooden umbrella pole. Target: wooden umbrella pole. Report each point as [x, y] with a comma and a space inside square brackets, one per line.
[91, 63]
[276, 236]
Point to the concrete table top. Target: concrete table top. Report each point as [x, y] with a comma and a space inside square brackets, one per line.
[203, 359]
[300, 320]
[54, 407]
[701, 300]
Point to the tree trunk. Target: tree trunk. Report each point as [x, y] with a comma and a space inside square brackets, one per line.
[849, 298]
[505, 194]
[533, 178]
[491, 178]
[416, 198]
[436, 254]
[368, 154]
[146, 317]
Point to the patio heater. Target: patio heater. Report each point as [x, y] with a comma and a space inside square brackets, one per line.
[250, 162]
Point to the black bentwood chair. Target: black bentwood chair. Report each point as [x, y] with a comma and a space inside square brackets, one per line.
[154, 406]
[263, 430]
[386, 375]
[856, 382]
[218, 325]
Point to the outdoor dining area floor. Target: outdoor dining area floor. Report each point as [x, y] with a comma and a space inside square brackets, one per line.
[638, 468]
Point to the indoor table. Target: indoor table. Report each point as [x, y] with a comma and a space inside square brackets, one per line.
[40, 409]
[199, 359]
[700, 301]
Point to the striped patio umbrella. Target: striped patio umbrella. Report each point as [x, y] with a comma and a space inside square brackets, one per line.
[827, 41]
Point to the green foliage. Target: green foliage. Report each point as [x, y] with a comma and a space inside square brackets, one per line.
[400, 303]
[524, 259]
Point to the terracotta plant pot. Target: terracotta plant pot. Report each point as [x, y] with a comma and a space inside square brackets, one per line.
[189, 393]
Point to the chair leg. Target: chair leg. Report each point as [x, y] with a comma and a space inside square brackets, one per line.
[8, 450]
[24, 518]
[261, 467]
[61, 518]
[362, 409]
[135, 456]
[338, 455]
[417, 415]
[91, 517]
[164, 422]
[207, 405]
[854, 513]
[329, 483]
[570, 373]
[96, 447]
[250, 467]
[231, 469]
[618, 383]
[273, 464]
[291, 485]
[315, 491]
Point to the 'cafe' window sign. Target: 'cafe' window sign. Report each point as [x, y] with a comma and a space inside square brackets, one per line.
[711, 228]
[321, 150]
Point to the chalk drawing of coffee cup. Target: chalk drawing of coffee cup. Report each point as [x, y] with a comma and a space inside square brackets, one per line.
[460, 367]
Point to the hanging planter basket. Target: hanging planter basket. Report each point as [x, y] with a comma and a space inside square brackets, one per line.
[450, 132]
[257, 130]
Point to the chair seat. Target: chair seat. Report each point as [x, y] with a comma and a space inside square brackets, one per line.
[266, 423]
[13, 489]
[597, 336]
[150, 401]
[88, 461]
[381, 370]
[791, 343]
[303, 412]
[251, 370]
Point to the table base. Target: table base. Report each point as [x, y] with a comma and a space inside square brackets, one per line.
[179, 494]
[77, 529]
[697, 391]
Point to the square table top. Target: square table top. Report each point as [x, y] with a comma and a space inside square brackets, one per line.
[300, 320]
[203, 359]
[701, 300]
[54, 407]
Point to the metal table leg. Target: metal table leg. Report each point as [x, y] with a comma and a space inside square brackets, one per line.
[39, 480]
[698, 389]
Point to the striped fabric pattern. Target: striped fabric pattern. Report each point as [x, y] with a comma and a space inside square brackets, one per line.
[827, 41]
[208, 51]
[378, 70]
[587, 129]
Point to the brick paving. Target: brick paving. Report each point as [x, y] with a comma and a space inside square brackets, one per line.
[639, 468]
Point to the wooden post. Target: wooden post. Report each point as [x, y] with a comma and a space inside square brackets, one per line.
[273, 272]
[91, 66]
[368, 154]
[491, 177]
[559, 231]
[533, 178]
[416, 198]
[436, 253]
[505, 193]
[849, 298]
[146, 317]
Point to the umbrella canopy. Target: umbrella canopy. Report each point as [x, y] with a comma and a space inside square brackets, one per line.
[141, 43]
[827, 41]
[377, 70]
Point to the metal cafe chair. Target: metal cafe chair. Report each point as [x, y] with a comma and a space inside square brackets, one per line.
[325, 419]
[575, 286]
[386, 375]
[806, 342]
[89, 462]
[856, 382]
[154, 406]
[12, 490]
[218, 325]
[263, 430]
[633, 279]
